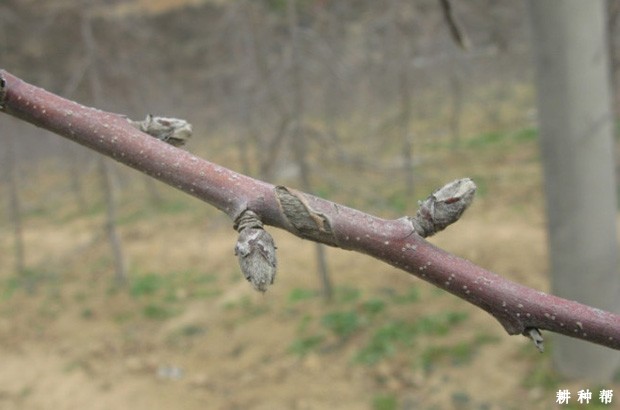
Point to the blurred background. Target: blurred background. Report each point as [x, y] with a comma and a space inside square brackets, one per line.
[117, 291]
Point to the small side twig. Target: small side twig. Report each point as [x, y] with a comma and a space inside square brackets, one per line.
[458, 34]
[534, 334]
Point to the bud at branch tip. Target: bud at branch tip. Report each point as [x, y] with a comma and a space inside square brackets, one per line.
[443, 207]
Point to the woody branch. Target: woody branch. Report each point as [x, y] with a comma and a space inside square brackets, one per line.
[519, 309]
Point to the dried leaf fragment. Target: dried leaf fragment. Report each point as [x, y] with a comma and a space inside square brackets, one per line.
[308, 222]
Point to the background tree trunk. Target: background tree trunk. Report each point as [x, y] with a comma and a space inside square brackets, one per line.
[298, 139]
[105, 170]
[402, 52]
[576, 125]
[14, 204]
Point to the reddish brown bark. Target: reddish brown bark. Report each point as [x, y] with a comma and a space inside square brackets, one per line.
[516, 307]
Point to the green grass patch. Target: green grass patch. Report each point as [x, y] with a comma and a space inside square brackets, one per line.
[458, 354]
[386, 401]
[156, 311]
[495, 138]
[412, 295]
[485, 139]
[304, 323]
[385, 340]
[299, 294]
[482, 185]
[461, 400]
[346, 294]
[147, 284]
[96, 208]
[373, 307]
[87, 314]
[439, 324]
[305, 345]
[399, 202]
[342, 324]
[542, 375]
[174, 285]
[525, 135]
[10, 286]
[324, 191]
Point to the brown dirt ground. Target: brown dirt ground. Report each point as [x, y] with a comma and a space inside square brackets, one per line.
[78, 343]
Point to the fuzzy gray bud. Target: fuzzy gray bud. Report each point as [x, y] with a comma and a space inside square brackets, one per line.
[174, 131]
[443, 207]
[256, 251]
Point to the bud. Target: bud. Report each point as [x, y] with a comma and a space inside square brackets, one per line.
[174, 131]
[256, 251]
[443, 207]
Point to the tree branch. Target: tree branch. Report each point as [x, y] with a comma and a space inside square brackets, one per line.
[519, 309]
[457, 33]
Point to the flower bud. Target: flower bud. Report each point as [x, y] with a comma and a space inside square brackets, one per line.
[256, 251]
